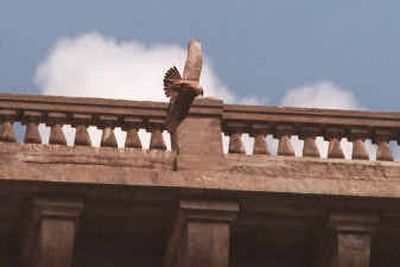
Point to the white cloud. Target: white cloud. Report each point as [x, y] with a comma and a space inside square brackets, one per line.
[94, 65]
[320, 95]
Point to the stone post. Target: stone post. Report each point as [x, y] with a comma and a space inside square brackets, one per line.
[201, 235]
[351, 244]
[51, 225]
[198, 139]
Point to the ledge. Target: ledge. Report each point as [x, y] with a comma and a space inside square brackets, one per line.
[82, 165]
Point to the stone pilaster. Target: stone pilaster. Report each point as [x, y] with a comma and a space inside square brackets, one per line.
[198, 139]
[51, 225]
[201, 234]
[352, 235]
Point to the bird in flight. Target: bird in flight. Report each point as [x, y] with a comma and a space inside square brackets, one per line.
[182, 91]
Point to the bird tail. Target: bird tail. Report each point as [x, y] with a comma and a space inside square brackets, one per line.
[171, 74]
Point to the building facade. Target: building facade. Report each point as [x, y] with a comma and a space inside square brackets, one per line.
[66, 203]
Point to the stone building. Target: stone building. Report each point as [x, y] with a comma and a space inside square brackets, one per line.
[193, 205]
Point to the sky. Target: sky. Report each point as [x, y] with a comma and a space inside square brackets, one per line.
[341, 54]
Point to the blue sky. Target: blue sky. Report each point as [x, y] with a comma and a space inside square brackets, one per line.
[258, 49]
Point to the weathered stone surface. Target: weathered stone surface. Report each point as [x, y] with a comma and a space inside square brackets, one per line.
[260, 145]
[310, 149]
[241, 173]
[32, 135]
[352, 239]
[108, 138]
[335, 149]
[359, 151]
[197, 141]
[157, 140]
[285, 146]
[7, 133]
[383, 152]
[132, 139]
[51, 226]
[236, 144]
[57, 136]
[82, 137]
[201, 234]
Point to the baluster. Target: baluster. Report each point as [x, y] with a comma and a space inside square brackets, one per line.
[334, 136]
[108, 138]
[382, 138]
[260, 145]
[309, 134]
[56, 134]
[259, 132]
[81, 122]
[7, 133]
[235, 143]
[157, 141]
[283, 133]
[108, 123]
[357, 136]
[31, 121]
[132, 139]
[131, 126]
[82, 137]
[234, 131]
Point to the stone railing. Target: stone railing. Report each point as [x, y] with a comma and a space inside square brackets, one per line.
[200, 133]
[80, 113]
[333, 125]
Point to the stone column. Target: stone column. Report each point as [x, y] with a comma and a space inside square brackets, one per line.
[51, 225]
[201, 235]
[351, 244]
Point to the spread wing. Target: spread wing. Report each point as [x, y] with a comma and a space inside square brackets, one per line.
[172, 73]
[180, 100]
[194, 61]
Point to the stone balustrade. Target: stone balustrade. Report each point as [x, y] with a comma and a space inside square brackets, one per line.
[234, 121]
[308, 124]
[81, 113]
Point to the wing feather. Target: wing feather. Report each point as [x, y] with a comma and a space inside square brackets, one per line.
[171, 74]
[194, 61]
